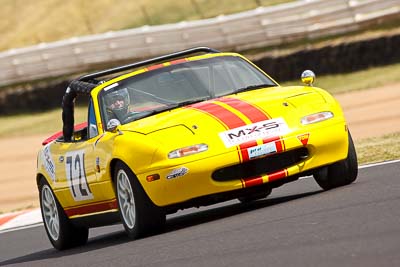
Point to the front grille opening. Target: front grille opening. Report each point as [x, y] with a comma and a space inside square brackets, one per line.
[261, 166]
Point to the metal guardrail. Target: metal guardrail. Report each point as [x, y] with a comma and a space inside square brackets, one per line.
[263, 26]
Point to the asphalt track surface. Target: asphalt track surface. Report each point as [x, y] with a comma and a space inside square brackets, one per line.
[298, 225]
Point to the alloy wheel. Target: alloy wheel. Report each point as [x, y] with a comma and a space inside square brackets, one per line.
[126, 199]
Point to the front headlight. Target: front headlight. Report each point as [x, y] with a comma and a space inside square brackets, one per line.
[186, 151]
[316, 117]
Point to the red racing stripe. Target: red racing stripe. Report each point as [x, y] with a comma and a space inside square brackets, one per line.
[254, 113]
[253, 181]
[178, 61]
[154, 67]
[228, 119]
[279, 146]
[277, 175]
[162, 65]
[271, 177]
[92, 208]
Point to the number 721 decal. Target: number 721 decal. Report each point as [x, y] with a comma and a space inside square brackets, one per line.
[76, 175]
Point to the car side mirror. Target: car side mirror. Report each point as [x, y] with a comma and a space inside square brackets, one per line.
[112, 125]
[308, 77]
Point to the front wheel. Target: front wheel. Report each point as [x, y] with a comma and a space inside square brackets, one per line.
[60, 231]
[340, 173]
[138, 214]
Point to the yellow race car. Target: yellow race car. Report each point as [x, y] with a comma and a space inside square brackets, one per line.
[187, 129]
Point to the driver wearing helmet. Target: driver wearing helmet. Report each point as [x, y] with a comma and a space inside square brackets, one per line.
[117, 104]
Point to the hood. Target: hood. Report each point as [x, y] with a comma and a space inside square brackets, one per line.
[209, 120]
[275, 101]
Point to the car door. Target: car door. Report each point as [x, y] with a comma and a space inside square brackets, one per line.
[75, 165]
[75, 172]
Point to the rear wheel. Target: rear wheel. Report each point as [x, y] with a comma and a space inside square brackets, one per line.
[60, 231]
[138, 214]
[340, 173]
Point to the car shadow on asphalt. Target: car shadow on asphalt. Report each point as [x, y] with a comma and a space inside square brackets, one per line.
[213, 214]
[173, 224]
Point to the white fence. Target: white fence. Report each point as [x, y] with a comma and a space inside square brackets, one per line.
[251, 29]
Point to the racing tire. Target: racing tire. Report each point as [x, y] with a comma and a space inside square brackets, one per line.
[138, 214]
[340, 173]
[60, 231]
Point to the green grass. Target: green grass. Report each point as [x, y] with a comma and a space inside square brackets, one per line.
[360, 80]
[25, 23]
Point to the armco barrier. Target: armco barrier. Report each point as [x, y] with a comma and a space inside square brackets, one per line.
[250, 29]
[340, 58]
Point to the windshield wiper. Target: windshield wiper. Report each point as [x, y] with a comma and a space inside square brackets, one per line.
[253, 87]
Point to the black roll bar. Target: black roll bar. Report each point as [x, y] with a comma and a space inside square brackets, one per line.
[75, 88]
[201, 49]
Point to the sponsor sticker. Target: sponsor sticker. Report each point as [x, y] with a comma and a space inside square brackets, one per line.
[178, 173]
[261, 150]
[49, 163]
[251, 132]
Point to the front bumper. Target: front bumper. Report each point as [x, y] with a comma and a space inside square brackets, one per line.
[324, 145]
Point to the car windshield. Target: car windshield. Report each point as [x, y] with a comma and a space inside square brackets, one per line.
[167, 87]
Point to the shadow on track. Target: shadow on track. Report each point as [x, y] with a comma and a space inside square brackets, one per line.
[173, 224]
[209, 215]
